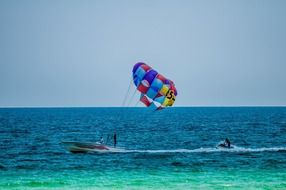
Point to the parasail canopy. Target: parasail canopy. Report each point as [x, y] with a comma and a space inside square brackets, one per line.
[156, 90]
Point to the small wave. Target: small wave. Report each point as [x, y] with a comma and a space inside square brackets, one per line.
[209, 150]
[2, 167]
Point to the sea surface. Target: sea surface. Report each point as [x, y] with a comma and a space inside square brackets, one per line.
[169, 149]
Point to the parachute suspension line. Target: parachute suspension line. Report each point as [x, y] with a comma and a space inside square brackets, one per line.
[132, 97]
[137, 103]
[127, 93]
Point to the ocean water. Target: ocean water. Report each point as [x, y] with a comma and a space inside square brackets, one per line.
[169, 149]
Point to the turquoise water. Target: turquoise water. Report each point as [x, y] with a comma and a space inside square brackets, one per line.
[169, 149]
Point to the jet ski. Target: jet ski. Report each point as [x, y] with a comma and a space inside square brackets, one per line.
[85, 147]
[224, 145]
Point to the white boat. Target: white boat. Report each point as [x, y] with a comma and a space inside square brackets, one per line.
[85, 147]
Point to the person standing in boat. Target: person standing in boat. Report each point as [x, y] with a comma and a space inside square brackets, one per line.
[114, 139]
[101, 141]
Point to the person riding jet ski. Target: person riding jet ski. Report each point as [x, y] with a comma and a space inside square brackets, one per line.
[225, 144]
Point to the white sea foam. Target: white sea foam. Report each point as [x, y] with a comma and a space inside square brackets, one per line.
[208, 150]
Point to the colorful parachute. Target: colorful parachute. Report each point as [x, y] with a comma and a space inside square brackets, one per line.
[156, 90]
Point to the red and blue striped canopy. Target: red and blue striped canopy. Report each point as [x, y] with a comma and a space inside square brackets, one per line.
[156, 90]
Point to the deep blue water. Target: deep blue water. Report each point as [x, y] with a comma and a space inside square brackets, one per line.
[30, 139]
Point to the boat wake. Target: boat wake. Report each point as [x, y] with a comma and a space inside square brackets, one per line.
[80, 147]
[208, 150]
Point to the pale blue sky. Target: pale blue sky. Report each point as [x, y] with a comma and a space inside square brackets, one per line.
[81, 53]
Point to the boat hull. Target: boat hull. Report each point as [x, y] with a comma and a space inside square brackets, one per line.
[85, 147]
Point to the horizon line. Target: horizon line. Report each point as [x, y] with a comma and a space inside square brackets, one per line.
[189, 106]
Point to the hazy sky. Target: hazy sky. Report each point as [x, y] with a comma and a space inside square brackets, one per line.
[81, 53]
